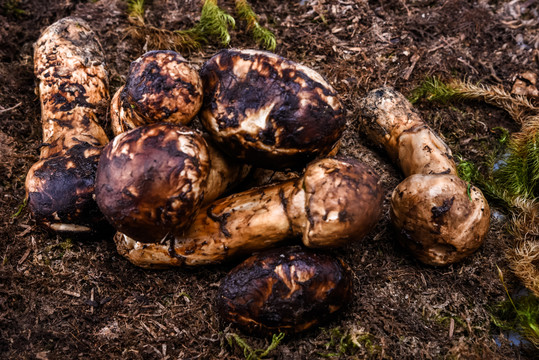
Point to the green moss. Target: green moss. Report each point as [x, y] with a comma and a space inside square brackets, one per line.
[248, 351]
[262, 36]
[214, 22]
[20, 208]
[135, 9]
[433, 89]
[519, 315]
[350, 342]
[11, 7]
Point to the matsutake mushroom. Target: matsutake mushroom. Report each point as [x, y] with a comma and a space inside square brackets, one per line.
[268, 110]
[285, 290]
[161, 86]
[73, 90]
[151, 180]
[334, 203]
[439, 217]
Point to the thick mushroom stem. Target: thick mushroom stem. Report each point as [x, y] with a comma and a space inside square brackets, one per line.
[161, 87]
[335, 203]
[73, 91]
[388, 119]
[440, 218]
[151, 180]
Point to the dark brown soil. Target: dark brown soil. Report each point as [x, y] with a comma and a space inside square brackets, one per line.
[62, 298]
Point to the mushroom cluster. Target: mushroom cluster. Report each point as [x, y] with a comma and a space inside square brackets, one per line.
[162, 185]
[157, 183]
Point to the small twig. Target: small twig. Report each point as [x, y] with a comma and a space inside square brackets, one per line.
[148, 330]
[71, 293]
[408, 12]
[3, 110]
[24, 256]
[408, 72]
[92, 299]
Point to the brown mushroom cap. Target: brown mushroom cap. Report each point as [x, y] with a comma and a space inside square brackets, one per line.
[161, 87]
[264, 108]
[60, 190]
[284, 290]
[151, 180]
[342, 201]
[441, 219]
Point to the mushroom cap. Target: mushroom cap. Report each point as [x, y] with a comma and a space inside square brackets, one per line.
[162, 87]
[284, 290]
[151, 180]
[441, 219]
[343, 202]
[60, 190]
[261, 107]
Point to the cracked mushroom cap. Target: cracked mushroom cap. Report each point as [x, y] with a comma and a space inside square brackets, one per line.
[441, 219]
[161, 87]
[261, 107]
[151, 180]
[284, 290]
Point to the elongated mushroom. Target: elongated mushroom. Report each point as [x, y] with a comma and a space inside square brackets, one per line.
[334, 203]
[284, 290]
[73, 91]
[161, 87]
[266, 109]
[439, 217]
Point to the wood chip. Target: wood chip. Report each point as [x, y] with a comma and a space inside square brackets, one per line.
[451, 327]
[24, 256]
[71, 293]
[148, 330]
[26, 231]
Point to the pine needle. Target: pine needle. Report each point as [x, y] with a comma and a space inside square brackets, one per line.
[159, 38]
[434, 89]
[262, 36]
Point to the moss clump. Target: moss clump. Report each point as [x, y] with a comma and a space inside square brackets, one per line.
[248, 351]
[214, 24]
[354, 341]
[262, 36]
[519, 315]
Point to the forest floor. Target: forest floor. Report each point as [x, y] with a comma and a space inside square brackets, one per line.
[63, 298]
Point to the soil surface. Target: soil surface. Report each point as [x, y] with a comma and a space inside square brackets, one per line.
[67, 298]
